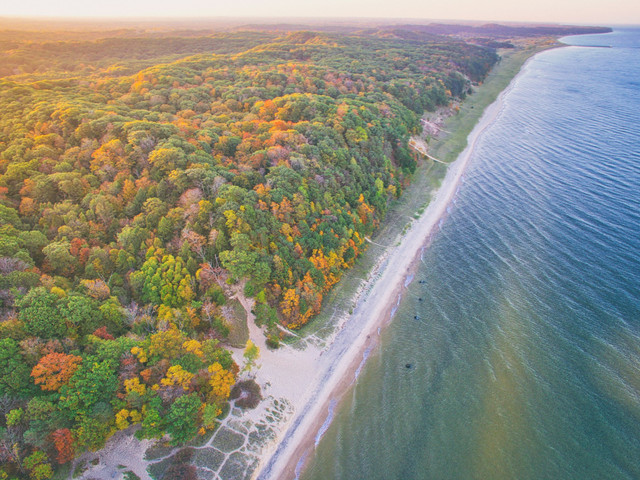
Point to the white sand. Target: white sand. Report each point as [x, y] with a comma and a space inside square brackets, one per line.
[314, 380]
[123, 452]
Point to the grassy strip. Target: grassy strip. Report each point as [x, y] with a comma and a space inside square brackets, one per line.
[428, 177]
[239, 331]
[449, 146]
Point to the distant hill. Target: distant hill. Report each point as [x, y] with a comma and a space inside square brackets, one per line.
[502, 31]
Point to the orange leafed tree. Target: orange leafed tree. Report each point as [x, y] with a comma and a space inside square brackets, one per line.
[290, 304]
[63, 441]
[54, 370]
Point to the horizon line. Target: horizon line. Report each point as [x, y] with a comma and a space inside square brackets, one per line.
[285, 19]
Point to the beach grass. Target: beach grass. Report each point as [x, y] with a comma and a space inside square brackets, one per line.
[449, 145]
[239, 331]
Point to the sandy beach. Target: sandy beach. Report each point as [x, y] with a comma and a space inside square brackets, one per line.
[331, 372]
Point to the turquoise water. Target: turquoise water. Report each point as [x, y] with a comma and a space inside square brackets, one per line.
[525, 353]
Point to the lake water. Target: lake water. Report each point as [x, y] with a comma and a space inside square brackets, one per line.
[525, 356]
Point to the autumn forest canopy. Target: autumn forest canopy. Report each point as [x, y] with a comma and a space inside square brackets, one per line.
[144, 182]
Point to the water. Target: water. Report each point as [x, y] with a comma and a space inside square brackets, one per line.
[525, 357]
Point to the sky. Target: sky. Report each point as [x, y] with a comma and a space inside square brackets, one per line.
[596, 12]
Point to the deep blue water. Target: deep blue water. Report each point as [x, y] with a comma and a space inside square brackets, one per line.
[525, 359]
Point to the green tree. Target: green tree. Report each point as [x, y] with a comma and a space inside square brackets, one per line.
[93, 382]
[163, 280]
[14, 417]
[152, 424]
[242, 261]
[58, 256]
[113, 316]
[37, 464]
[92, 432]
[182, 420]
[14, 373]
[33, 241]
[81, 311]
[38, 309]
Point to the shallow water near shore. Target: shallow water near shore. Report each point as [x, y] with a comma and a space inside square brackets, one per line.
[524, 359]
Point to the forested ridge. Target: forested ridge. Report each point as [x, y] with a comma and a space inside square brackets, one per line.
[143, 181]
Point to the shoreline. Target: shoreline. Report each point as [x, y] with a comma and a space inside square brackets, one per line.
[337, 369]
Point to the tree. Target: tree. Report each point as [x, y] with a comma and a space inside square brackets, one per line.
[167, 344]
[167, 159]
[182, 419]
[80, 311]
[113, 316]
[124, 416]
[43, 419]
[251, 354]
[209, 414]
[14, 373]
[106, 159]
[14, 417]
[241, 260]
[38, 310]
[176, 375]
[151, 423]
[38, 466]
[55, 370]
[33, 241]
[163, 280]
[96, 289]
[221, 381]
[59, 259]
[63, 442]
[95, 381]
[92, 432]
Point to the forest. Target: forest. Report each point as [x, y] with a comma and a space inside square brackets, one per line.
[145, 181]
